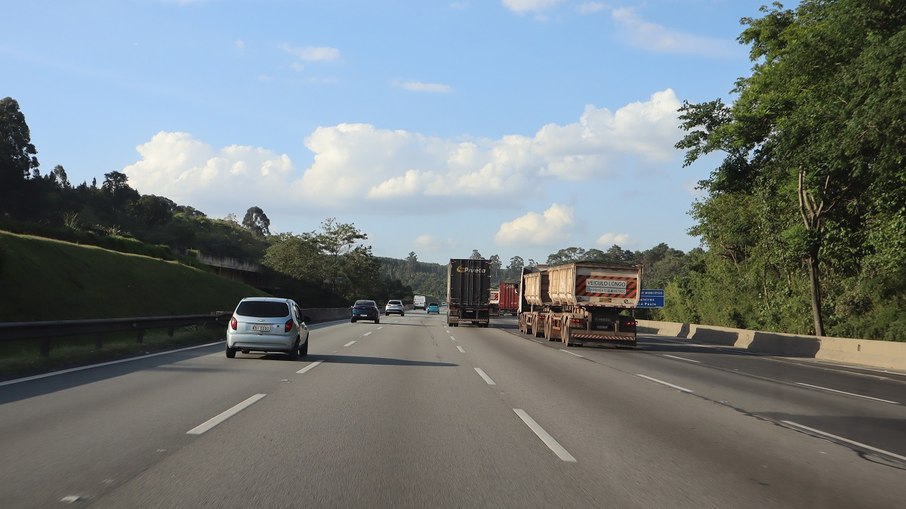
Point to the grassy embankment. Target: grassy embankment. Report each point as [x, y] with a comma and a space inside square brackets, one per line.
[43, 279]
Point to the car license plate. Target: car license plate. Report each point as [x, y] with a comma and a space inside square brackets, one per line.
[261, 328]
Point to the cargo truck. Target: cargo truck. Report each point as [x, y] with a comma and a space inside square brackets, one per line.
[581, 303]
[468, 292]
[494, 302]
[508, 299]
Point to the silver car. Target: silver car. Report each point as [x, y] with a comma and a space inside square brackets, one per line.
[267, 324]
[394, 306]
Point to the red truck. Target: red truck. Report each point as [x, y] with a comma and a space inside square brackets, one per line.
[508, 302]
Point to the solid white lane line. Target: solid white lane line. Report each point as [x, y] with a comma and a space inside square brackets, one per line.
[571, 353]
[655, 380]
[545, 437]
[214, 421]
[102, 364]
[368, 333]
[484, 375]
[347, 345]
[682, 358]
[848, 441]
[460, 349]
[847, 393]
[309, 367]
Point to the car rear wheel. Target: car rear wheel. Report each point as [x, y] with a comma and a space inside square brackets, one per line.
[377, 320]
[294, 351]
[230, 353]
[303, 349]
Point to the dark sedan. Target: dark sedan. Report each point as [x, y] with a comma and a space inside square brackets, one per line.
[365, 310]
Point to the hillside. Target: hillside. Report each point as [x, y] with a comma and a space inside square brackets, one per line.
[43, 279]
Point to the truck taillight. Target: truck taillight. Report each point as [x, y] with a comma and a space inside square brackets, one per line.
[233, 323]
[288, 326]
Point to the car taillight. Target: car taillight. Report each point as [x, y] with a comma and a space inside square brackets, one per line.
[288, 326]
[233, 323]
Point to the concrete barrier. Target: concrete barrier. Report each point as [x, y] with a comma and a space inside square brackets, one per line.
[863, 352]
[326, 314]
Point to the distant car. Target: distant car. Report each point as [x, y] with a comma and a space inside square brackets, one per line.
[365, 310]
[394, 306]
[267, 324]
[433, 308]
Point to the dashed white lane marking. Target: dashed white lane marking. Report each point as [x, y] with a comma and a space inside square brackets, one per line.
[452, 338]
[347, 345]
[71, 499]
[484, 375]
[847, 393]
[848, 441]
[682, 358]
[368, 333]
[214, 421]
[460, 349]
[545, 437]
[571, 353]
[655, 380]
[308, 368]
[381, 327]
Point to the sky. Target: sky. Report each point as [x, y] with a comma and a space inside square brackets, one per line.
[511, 127]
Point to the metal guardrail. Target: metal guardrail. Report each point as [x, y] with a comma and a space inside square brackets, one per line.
[47, 331]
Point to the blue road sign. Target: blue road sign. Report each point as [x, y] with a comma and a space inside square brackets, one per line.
[651, 298]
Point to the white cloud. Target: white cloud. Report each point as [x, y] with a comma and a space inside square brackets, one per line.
[611, 239]
[522, 6]
[239, 44]
[190, 172]
[660, 39]
[312, 53]
[429, 242]
[360, 167]
[553, 226]
[417, 86]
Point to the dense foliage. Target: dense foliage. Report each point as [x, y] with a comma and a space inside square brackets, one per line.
[805, 219]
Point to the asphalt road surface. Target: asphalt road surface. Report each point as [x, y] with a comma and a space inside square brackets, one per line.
[411, 413]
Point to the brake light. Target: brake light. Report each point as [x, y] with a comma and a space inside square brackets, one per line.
[288, 326]
[233, 323]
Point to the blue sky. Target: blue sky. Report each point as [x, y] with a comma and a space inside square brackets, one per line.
[514, 127]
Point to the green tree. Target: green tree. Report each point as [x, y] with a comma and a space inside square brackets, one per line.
[257, 222]
[18, 157]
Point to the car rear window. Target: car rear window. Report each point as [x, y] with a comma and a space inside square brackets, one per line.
[263, 309]
[365, 303]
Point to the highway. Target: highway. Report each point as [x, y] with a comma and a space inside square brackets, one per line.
[411, 413]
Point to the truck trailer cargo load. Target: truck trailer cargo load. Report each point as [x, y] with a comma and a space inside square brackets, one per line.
[581, 303]
[508, 299]
[468, 292]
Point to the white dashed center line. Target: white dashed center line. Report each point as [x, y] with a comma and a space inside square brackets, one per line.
[545, 437]
[460, 349]
[347, 345]
[655, 380]
[214, 421]
[682, 358]
[847, 393]
[309, 367]
[484, 375]
[848, 441]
